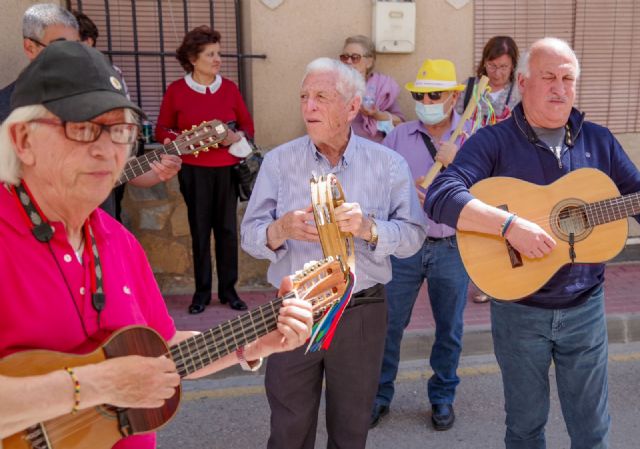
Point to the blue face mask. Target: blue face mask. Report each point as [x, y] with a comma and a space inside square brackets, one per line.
[384, 126]
[431, 114]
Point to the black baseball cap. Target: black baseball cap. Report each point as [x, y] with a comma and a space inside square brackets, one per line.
[73, 81]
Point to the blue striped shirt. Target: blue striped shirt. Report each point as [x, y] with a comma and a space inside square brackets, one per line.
[370, 174]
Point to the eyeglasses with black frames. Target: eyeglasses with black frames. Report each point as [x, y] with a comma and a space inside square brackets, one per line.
[86, 132]
[434, 96]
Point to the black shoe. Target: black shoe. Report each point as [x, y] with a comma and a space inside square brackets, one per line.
[442, 416]
[194, 309]
[379, 412]
[235, 303]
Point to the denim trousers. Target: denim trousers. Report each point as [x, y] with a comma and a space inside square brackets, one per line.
[438, 262]
[526, 340]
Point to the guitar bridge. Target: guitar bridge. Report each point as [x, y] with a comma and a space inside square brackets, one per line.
[514, 255]
[123, 422]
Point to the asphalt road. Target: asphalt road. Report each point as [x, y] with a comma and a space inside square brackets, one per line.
[232, 412]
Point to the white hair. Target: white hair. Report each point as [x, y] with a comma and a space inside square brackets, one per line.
[10, 165]
[38, 17]
[547, 43]
[349, 82]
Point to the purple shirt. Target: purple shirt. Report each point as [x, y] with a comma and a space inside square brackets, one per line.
[407, 140]
[385, 91]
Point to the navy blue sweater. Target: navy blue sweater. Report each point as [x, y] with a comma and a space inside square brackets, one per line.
[511, 148]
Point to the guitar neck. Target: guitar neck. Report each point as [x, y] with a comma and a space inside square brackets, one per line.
[141, 165]
[612, 209]
[201, 350]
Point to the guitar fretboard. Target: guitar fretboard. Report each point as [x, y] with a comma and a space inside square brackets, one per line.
[141, 165]
[203, 349]
[612, 209]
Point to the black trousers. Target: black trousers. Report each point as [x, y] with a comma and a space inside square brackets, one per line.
[211, 198]
[350, 368]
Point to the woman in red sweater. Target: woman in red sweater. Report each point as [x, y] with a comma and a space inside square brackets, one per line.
[206, 181]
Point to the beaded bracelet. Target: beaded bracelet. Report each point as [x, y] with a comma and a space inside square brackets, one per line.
[505, 226]
[76, 390]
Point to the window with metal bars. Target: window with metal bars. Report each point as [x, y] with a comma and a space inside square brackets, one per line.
[605, 35]
[141, 36]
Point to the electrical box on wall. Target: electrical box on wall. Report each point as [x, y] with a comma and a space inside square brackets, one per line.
[394, 26]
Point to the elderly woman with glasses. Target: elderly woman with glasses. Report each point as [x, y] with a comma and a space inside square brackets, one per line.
[379, 111]
[499, 62]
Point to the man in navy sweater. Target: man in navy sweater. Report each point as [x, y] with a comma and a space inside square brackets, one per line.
[564, 321]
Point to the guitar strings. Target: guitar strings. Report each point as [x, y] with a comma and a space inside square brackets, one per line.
[598, 212]
[131, 172]
[234, 333]
[65, 426]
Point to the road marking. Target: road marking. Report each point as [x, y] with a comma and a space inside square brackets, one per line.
[408, 376]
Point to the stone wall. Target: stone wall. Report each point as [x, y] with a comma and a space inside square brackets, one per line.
[158, 218]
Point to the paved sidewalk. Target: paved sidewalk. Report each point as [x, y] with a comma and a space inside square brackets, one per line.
[622, 293]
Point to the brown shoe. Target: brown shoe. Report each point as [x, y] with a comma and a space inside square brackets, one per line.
[480, 298]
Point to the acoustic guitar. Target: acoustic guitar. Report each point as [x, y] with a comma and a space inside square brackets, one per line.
[583, 212]
[203, 137]
[322, 284]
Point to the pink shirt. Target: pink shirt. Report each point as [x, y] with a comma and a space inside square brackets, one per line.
[36, 307]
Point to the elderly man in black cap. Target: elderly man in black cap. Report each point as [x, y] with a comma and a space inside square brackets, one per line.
[72, 275]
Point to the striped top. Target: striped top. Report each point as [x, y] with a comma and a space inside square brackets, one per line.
[370, 174]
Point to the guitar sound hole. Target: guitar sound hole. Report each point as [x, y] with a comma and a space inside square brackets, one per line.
[570, 218]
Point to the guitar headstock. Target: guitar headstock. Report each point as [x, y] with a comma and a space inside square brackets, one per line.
[199, 138]
[321, 283]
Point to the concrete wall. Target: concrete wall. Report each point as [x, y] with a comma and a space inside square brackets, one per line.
[13, 58]
[299, 31]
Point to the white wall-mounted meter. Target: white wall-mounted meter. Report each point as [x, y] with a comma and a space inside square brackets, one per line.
[394, 26]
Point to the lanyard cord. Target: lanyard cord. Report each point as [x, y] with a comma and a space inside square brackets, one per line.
[43, 232]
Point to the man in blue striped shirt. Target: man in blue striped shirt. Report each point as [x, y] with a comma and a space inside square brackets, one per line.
[386, 219]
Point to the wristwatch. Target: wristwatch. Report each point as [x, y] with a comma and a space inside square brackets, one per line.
[373, 241]
[246, 365]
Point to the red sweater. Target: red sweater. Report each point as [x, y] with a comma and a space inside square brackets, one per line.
[183, 107]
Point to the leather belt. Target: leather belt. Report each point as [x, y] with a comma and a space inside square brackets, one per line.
[371, 295]
[438, 239]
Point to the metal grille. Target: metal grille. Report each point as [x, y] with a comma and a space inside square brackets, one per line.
[141, 36]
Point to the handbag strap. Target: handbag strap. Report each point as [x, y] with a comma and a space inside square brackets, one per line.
[429, 144]
[506, 103]
[468, 91]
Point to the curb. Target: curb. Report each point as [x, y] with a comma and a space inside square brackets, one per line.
[477, 340]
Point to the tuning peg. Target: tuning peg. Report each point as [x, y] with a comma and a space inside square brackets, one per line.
[215, 145]
[205, 149]
[195, 154]
[194, 127]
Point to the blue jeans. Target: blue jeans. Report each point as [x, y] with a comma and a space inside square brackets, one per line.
[526, 340]
[439, 263]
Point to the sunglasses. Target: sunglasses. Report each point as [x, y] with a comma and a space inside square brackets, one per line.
[419, 96]
[355, 57]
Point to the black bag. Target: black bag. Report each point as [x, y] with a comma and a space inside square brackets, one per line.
[245, 173]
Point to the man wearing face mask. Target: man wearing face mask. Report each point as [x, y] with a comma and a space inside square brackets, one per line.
[420, 142]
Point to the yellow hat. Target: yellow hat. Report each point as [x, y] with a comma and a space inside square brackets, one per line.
[435, 75]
